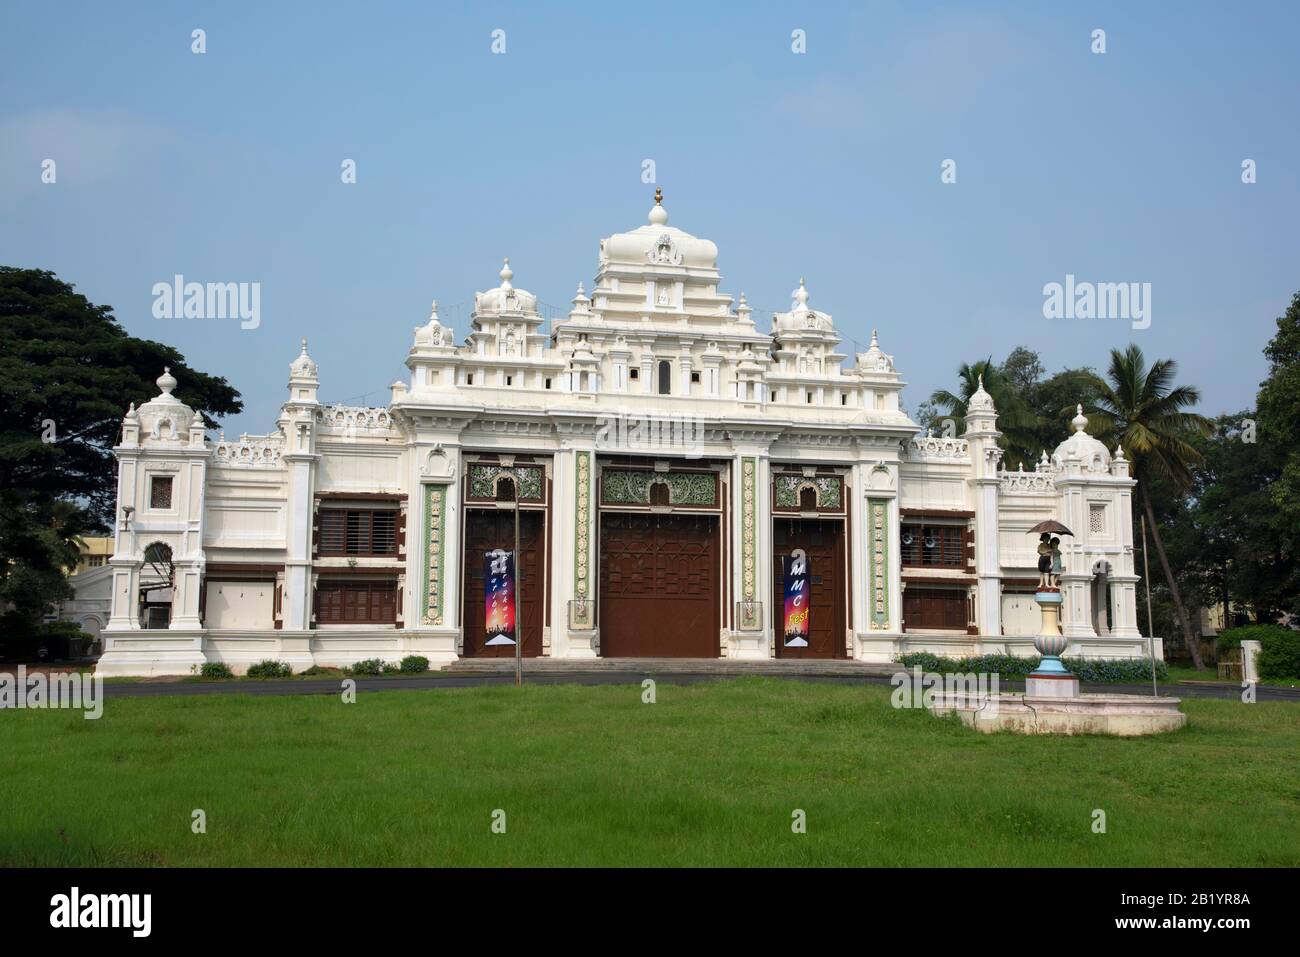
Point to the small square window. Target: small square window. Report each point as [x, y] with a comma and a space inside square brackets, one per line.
[1097, 519]
[548, 383]
[810, 398]
[160, 491]
[695, 377]
[469, 379]
[635, 373]
[510, 380]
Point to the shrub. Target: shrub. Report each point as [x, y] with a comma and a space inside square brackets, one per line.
[1279, 649]
[60, 640]
[319, 670]
[414, 665]
[1115, 670]
[1279, 657]
[1094, 670]
[215, 669]
[370, 666]
[270, 669]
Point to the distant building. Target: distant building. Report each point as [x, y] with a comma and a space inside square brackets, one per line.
[92, 581]
[95, 553]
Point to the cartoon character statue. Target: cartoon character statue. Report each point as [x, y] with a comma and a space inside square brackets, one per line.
[1044, 561]
[1057, 567]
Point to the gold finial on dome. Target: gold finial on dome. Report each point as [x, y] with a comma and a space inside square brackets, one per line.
[659, 196]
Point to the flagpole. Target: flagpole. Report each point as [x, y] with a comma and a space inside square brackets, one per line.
[519, 603]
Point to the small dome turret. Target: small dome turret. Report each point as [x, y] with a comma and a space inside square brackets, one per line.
[1082, 447]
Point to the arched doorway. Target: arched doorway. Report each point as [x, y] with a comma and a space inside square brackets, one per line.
[157, 581]
[1102, 615]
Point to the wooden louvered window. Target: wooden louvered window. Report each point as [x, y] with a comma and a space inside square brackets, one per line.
[356, 602]
[349, 531]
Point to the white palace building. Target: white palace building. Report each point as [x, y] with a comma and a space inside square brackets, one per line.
[663, 452]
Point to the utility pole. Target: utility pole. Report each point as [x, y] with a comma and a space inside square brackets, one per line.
[1151, 631]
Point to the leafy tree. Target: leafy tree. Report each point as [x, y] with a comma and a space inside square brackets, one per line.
[1023, 370]
[1143, 409]
[68, 372]
[1237, 551]
[1278, 406]
[1054, 399]
[1016, 420]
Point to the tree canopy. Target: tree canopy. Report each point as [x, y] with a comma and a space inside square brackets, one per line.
[68, 372]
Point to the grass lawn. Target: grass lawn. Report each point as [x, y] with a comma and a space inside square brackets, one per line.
[1182, 672]
[590, 775]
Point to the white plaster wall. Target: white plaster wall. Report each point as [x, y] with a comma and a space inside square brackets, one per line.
[240, 605]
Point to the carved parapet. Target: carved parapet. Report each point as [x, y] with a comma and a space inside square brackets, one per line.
[354, 420]
[250, 451]
[936, 448]
[1041, 481]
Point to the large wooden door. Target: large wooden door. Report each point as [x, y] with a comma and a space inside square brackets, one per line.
[824, 543]
[486, 530]
[659, 581]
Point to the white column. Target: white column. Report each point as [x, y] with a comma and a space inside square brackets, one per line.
[297, 604]
[575, 561]
[1076, 578]
[988, 599]
[751, 548]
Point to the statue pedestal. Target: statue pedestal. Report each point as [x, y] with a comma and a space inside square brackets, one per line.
[1051, 686]
[1050, 679]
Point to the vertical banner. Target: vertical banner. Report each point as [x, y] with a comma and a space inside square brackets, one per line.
[794, 569]
[500, 596]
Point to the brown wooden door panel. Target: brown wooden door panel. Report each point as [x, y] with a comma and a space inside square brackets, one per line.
[356, 603]
[943, 609]
[484, 531]
[823, 540]
[659, 586]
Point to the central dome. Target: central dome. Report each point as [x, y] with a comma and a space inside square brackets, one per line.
[658, 244]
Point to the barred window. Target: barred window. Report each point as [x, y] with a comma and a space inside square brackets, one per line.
[348, 531]
[942, 546]
[160, 491]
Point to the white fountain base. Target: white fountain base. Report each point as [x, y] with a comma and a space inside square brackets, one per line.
[1124, 715]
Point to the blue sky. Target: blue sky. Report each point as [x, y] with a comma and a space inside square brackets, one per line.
[225, 167]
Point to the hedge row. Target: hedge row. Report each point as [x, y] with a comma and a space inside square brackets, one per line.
[1095, 670]
[270, 668]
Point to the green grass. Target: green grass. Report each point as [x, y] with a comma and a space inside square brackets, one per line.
[1211, 673]
[590, 775]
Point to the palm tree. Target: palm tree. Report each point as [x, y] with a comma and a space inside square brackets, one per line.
[1016, 420]
[1145, 411]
